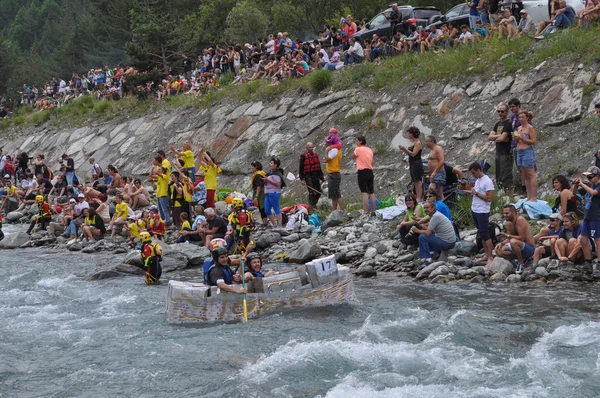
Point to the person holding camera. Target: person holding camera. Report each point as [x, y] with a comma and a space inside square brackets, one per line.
[69, 169]
[590, 228]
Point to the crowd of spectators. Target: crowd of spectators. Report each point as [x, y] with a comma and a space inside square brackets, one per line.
[278, 57]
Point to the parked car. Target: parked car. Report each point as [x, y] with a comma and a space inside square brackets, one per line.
[539, 10]
[380, 25]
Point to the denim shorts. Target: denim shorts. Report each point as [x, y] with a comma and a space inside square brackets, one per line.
[439, 179]
[526, 158]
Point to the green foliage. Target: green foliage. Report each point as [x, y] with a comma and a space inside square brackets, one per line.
[18, 120]
[380, 148]
[246, 20]
[361, 117]
[319, 80]
[257, 149]
[461, 208]
[101, 107]
[40, 117]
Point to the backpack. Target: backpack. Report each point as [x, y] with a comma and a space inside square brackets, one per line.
[492, 227]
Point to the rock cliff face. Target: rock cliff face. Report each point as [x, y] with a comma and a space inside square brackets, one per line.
[460, 114]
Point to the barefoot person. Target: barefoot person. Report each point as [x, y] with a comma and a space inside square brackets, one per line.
[567, 247]
[415, 163]
[364, 166]
[435, 166]
[480, 209]
[518, 240]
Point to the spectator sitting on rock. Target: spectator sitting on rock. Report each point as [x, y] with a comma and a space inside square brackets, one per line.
[438, 236]
[563, 17]
[518, 240]
[566, 201]
[480, 31]
[589, 15]
[465, 37]
[547, 238]
[414, 213]
[567, 247]
[432, 39]
[355, 54]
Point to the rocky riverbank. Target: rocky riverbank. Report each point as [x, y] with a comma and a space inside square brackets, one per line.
[366, 245]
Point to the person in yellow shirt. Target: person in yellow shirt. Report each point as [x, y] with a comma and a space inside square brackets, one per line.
[187, 184]
[177, 199]
[133, 229]
[211, 170]
[161, 175]
[186, 154]
[163, 161]
[120, 217]
[333, 166]
[11, 194]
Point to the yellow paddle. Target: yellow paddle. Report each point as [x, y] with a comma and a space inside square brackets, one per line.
[244, 286]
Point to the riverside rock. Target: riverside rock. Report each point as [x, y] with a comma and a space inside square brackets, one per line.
[425, 272]
[466, 248]
[267, 239]
[195, 254]
[14, 216]
[501, 265]
[308, 250]
[334, 219]
[14, 241]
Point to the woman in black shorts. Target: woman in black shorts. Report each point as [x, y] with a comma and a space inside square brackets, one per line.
[415, 163]
[364, 167]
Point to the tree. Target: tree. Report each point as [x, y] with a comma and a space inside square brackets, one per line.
[246, 22]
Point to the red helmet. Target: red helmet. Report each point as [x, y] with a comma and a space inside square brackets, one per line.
[412, 21]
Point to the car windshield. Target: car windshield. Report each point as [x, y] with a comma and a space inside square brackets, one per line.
[379, 20]
[426, 14]
[456, 11]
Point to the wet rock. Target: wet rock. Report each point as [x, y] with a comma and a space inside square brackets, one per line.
[129, 269]
[441, 270]
[334, 219]
[531, 277]
[308, 250]
[464, 262]
[405, 258]
[173, 260]
[88, 249]
[514, 278]
[267, 239]
[443, 279]
[195, 254]
[27, 244]
[552, 265]
[133, 258]
[105, 275]
[74, 246]
[541, 271]
[427, 270]
[120, 250]
[14, 216]
[366, 271]
[502, 265]
[467, 273]
[465, 248]
[291, 238]
[499, 276]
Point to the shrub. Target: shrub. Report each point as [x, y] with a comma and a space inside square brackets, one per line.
[17, 120]
[83, 102]
[320, 80]
[101, 107]
[40, 117]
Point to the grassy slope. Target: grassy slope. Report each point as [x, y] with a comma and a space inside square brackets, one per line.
[483, 58]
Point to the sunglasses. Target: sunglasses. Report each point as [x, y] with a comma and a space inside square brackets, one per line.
[429, 196]
[499, 111]
[408, 200]
[553, 219]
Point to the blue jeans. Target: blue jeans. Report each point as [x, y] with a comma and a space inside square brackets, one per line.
[485, 18]
[430, 243]
[473, 20]
[352, 58]
[71, 228]
[69, 175]
[375, 53]
[163, 209]
[562, 22]
[191, 173]
[329, 66]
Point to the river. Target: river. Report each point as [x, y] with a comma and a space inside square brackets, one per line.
[64, 336]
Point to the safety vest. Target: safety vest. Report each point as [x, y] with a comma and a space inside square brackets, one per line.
[44, 210]
[151, 252]
[256, 274]
[242, 218]
[226, 270]
[311, 162]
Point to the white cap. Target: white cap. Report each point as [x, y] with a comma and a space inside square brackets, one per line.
[72, 200]
[7, 176]
[81, 195]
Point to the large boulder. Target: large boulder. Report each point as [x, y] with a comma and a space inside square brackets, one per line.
[502, 265]
[105, 275]
[441, 270]
[466, 248]
[366, 271]
[129, 269]
[267, 239]
[14, 216]
[13, 241]
[308, 250]
[194, 253]
[173, 260]
[334, 219]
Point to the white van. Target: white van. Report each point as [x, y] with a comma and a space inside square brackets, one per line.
[539, 10]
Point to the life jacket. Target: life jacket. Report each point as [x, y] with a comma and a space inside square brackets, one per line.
[242, 219]
[44, 210]
[257, 173]
[226, 270]
[151, 251]
[311, 162]
[256, 274]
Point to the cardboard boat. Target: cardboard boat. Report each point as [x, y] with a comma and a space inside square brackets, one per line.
[320, 282]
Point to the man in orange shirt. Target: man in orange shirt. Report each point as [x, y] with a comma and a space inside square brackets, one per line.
[364, 166]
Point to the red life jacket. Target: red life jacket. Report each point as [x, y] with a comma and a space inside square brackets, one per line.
[311, 162]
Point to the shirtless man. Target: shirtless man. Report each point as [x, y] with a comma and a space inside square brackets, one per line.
[435, 166]
[518, 240]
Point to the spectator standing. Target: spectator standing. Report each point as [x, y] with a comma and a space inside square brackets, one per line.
[526, 139]
[473, 12]
[273, 185]
[597, 154]
[333, 166]
[366, 180]
[96, 169]
[258, 189]
[482, 192]
[590, 228]
[502, 136]
[518, 240]
[395, 18]
[186, 154]
[415, 163]
[311, 174]
[515, 107]
[435, 166]
[69, 169]
[438, 236]
[211, 170]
